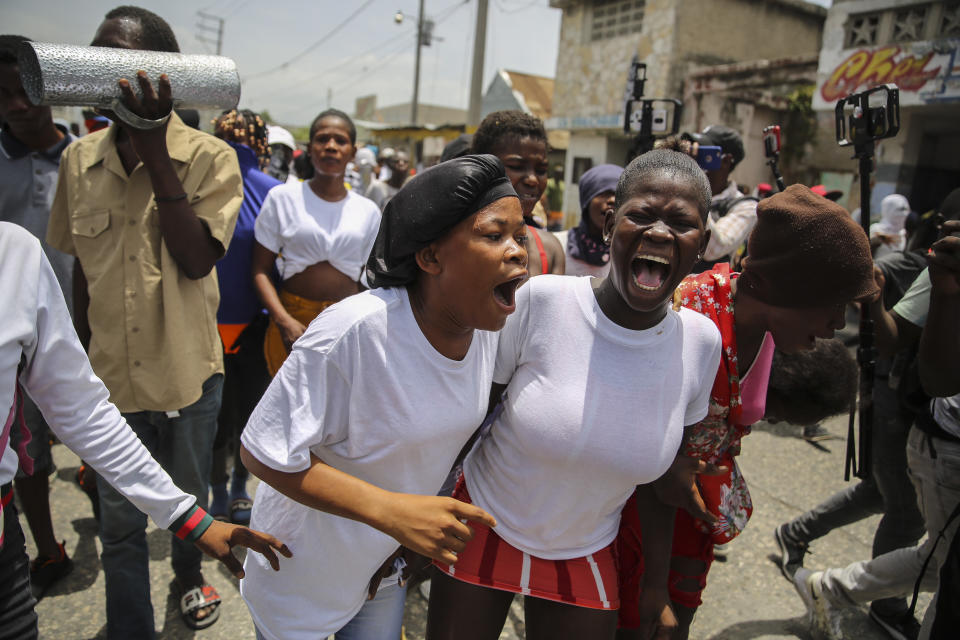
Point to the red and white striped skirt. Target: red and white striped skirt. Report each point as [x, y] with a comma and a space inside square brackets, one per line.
[490, 561]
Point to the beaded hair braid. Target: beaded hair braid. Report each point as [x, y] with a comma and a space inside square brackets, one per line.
[244, 127]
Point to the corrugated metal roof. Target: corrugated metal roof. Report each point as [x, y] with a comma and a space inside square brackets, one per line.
[537, 91]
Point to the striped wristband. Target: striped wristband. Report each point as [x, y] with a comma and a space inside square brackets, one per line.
[192, 524]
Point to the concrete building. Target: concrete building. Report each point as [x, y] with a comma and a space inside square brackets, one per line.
[390, 126]
[913, 45]
[598, 38]
[749, 96]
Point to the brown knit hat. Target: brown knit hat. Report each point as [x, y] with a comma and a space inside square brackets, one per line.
[806, 251]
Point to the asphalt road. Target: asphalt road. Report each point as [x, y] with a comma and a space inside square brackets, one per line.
[746, 597]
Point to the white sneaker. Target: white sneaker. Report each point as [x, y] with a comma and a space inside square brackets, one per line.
[820, 615]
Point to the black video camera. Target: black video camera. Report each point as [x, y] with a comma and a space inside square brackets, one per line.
[648, 117]
[771, 141]
[867, 116]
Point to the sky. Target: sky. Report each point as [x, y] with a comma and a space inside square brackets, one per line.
[370, 54]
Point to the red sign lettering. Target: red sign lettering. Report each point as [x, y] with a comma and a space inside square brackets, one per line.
[866, 68]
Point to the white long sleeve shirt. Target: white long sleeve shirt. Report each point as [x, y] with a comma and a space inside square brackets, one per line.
[35, 325]
[732, 230]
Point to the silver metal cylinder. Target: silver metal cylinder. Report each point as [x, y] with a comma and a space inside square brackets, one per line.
[70, 75]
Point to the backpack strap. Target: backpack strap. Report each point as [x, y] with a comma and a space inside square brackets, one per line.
[723, 207]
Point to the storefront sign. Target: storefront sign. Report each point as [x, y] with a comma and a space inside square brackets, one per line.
[926, 72]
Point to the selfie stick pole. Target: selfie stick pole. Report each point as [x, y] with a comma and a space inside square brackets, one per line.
[867, 125]
[776, 172]
[641, 120]
[771, 148]
[866, 352]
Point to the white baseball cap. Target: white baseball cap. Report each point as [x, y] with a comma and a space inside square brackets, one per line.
[279, 135]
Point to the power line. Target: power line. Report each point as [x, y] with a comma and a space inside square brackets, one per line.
[341, 67]
[326, 74]
[344, 66]
[316, 44]
[444, 15]
[206, 28]
[376, 71]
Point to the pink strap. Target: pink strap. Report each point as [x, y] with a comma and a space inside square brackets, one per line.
[753, 387]
[16, 416]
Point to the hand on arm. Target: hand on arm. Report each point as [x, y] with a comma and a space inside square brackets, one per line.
[678, 486]
[429, 525]
[892, 332]
[187, 238]
[262, 269]
[58, 377]
[940, 343]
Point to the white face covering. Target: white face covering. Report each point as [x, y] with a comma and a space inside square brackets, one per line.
[894, 210]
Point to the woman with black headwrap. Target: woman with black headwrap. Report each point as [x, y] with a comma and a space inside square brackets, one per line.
[365, 418]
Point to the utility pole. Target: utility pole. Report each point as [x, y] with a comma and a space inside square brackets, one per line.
[203, 26]
[476, 80]
[416, 70]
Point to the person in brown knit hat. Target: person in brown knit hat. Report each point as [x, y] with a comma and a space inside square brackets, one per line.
[810, 244]
[807, 261]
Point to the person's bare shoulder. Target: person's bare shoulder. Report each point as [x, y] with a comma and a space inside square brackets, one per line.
[556, 256]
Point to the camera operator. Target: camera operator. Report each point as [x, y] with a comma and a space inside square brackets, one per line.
[732, 214]
[931, 305]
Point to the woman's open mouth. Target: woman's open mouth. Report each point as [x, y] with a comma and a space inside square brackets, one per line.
[649, 271]
[506, 293]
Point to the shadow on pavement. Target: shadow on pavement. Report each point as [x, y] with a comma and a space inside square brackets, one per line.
[173, 626]
[779, 429]
[764, 628]
[158, 544]
[787, 430]
[86, 563]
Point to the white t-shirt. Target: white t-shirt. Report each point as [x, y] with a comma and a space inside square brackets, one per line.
[34, 323]
[364, 391]
[305, 229]
[592, 410]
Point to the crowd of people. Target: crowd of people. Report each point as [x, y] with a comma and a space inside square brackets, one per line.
[412, 365]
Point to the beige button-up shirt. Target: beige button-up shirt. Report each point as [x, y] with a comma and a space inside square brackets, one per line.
[153, 330]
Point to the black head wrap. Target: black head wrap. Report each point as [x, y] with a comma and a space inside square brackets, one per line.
[426, 208]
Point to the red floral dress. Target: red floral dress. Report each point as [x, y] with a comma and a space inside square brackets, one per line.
[715, 439]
